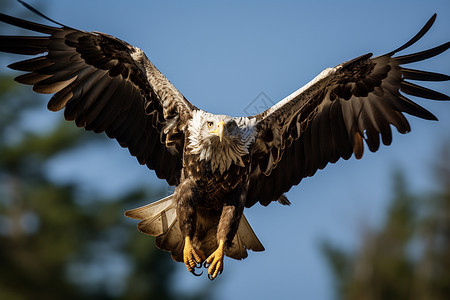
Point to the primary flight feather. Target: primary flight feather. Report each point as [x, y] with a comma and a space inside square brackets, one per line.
[219, 164]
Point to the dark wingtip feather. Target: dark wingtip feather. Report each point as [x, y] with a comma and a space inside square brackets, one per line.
[32, 64]
[419, 56]
[417, 37]
[420, 91]
[34, 10]
[27, 24]
[423, 75]
[408, 106]
[284, 200]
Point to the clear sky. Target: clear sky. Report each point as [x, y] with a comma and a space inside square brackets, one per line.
[221, 56]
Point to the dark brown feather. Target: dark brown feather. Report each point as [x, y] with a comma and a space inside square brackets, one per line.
[423, 75]
[356, 102]
[415, 57]
[28, 25]
[31, 64]
[419, 91]
[102, 87]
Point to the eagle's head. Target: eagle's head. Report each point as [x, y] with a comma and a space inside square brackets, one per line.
[220, 139]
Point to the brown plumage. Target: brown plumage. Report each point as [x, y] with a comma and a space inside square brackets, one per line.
[218, 164]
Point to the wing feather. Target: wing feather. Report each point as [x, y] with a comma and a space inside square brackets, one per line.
[335, 114]
[105, 85]
[423, 75]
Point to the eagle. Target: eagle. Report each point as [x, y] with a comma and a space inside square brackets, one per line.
[219, 164]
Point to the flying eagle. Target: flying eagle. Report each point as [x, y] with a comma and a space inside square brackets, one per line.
[218, 164]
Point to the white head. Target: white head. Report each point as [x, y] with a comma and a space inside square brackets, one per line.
[220, 139]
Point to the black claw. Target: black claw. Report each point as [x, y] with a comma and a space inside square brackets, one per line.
[196, 274]
[199, 265]
[210, 276]
[206, 265]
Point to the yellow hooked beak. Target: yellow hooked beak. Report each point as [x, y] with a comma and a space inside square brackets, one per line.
[219, 130]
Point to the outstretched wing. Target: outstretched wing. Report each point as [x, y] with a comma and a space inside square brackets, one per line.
[105, 85]
[330, 117]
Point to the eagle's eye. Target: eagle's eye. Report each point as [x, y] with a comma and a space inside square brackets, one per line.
[210, 124]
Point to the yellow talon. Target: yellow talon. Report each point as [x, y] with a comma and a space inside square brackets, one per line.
[215, 261]
[190, 256]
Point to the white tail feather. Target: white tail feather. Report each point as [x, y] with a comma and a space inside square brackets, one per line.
[150, 210]
[156, 217]
[160, 219]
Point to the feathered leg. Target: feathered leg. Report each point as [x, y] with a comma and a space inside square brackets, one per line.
[228, 225]
[187, 218]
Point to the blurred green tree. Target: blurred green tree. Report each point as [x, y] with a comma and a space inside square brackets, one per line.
[409, 256]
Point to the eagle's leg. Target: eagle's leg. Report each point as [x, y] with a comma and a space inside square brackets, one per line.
[187, 220]
[228, 225]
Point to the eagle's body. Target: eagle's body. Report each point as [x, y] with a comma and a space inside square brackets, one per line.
[211, 196]
[218, 164]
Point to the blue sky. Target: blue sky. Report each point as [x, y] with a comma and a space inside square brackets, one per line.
[221, 55]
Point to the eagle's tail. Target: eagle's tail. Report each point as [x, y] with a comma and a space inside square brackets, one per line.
[245, 238]
[160, 219]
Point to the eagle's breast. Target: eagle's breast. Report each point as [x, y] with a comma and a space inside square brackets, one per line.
[213, 184]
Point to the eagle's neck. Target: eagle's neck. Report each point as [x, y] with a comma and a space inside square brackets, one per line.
[220, 156]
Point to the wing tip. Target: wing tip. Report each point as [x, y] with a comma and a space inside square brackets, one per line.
[34, 10]
[418, 35]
